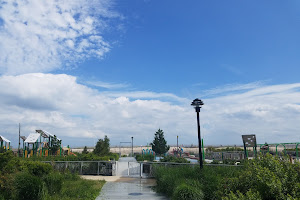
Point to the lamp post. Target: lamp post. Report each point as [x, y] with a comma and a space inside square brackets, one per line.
[132, 146]
[197, 103]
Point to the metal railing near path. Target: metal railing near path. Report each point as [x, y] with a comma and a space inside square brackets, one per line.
[107, 168]
[115, 168]
[146, 169]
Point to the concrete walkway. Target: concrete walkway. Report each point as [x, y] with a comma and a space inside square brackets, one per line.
[129, 188]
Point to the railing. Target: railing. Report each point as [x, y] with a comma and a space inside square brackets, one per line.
[146, 169]
[107, 168]
[115, 168]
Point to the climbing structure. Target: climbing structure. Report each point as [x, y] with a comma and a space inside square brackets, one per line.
[39, 144]
[4, 143]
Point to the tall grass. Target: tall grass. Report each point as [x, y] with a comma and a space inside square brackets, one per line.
[188, 182]
[265, 177]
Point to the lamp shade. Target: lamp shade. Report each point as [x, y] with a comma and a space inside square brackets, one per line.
[197, 103]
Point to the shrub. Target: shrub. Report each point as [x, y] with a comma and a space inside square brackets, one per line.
[148, 157]
[187, 192]
[37, 168]
[272, 178]
[250, 195]
[174, 159]
[27, 186]
[54, 182]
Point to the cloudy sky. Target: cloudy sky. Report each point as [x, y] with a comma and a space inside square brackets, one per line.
[88, 68]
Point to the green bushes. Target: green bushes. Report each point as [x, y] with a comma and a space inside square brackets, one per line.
[79, 157]
[23, 179]
[174, 159]
[271, 177]
[37, 168]
[148, 157]
[185, 191]
[53, 182]
[267, 177]
[27, 186]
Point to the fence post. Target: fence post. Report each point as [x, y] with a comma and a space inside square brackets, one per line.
[141, 170]
[98, 171]
[81, 163]
[128, 169]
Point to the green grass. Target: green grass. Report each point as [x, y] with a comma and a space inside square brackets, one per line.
[78, 189]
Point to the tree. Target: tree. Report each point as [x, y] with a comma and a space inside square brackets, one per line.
[85, 151]
[55, 145]
[159, 144]
[102, 147]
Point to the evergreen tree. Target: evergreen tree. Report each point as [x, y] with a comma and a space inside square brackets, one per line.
[85, 151]
[55, 145]
[102, 147]
[159, 144]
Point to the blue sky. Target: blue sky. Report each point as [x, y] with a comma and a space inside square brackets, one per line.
[85, 69]
[205, 44]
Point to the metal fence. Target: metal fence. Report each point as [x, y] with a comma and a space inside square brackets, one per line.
[115, 168]
[226, 155]
[107, 168]
[146, 169]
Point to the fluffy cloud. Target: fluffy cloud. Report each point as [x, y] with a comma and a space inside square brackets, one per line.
[59, 104]
[40, 36]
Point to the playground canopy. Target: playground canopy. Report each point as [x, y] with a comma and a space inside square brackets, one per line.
[3, 139]
[6, 141]
[32, 138]
[45, 134]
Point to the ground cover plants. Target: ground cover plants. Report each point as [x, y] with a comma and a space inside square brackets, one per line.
[25, 179]
[79, 157]
[266, 177]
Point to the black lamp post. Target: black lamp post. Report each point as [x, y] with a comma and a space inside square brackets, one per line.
[132, 146]
[197, 103]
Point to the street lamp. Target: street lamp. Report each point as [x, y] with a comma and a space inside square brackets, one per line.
[132, 146]
[197, 103]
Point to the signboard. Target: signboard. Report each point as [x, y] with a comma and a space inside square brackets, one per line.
[249, 140]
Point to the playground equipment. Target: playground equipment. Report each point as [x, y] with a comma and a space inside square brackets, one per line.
[288, 148]
[39, 143]
[147, 152]
[4, 143]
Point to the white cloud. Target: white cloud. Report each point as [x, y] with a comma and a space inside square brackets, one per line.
[40, 36]
[59, 104]
[106, 85]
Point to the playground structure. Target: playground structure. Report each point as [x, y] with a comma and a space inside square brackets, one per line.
[4, 143]
[148, 152]
[276, 149]
[40, 144]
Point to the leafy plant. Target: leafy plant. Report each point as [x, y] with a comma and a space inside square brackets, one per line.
[28, 186]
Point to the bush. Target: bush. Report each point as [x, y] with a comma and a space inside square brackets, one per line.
[27, 186]
[174, 159]
[54, 182]
[272, 178]
[148, 157]
[37, 168]
[208, 180]
[250, 195]
[184, 191]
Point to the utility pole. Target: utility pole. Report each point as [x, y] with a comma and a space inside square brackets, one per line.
[132, 146]
[177, 150]
[19, 139]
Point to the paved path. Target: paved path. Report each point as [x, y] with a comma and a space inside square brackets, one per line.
[130, 188]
